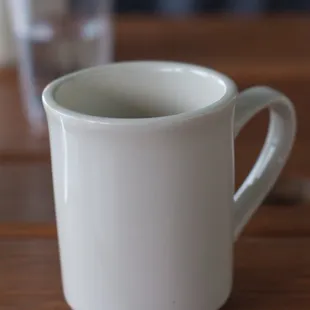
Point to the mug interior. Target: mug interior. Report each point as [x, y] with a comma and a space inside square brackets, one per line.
[139, 90]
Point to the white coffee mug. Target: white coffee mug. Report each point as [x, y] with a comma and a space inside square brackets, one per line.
[143, 172]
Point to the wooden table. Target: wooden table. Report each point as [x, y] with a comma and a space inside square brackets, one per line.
[272, 262]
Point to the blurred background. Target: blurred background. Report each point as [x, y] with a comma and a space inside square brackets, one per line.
[47, 39]
[254, 41]
[198, 6]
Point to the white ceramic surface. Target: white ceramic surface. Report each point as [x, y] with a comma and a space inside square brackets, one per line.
[146, 210]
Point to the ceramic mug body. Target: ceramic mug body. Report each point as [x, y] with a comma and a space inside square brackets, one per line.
[143, 174]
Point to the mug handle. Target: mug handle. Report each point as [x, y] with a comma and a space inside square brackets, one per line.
[274, 154]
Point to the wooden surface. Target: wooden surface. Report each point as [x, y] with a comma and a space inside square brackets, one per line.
[272, 262]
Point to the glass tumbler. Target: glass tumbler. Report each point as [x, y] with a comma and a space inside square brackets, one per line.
[56, 37]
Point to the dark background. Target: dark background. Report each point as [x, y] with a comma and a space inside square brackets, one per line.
[196, 6]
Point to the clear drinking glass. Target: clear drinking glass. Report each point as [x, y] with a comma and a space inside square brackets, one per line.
[55, 37]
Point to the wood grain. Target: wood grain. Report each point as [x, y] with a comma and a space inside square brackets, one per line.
[250, 48]
[26, 193]
[30, 275]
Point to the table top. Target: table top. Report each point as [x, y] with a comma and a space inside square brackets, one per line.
[272, 257]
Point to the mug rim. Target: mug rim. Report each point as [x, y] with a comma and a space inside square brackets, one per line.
[53, 108]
